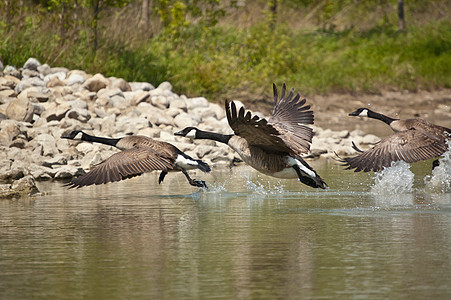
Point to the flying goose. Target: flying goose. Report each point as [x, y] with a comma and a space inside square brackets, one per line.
[413, 140]
[139, 154]
[274, 146]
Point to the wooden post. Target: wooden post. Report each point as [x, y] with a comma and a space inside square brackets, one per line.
[401, 21]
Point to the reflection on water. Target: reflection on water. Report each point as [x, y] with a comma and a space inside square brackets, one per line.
[247, 237]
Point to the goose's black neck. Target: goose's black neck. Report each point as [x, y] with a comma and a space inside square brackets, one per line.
[206, 135]
[383, 118]
[97, 139]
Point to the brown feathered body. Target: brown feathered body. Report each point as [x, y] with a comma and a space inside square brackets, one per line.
[139, 154]
[272, 146]
[414, 140]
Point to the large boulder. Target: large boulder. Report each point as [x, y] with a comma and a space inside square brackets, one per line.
[32, 64]
[23, 187]
[96, 83]
[20, 109]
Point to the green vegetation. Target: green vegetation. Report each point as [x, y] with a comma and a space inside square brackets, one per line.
[219, 59]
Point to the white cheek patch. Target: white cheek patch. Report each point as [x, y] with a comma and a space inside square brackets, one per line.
[364, 113]
[191, 134]
[78, 136]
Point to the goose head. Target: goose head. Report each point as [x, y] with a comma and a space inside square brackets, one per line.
[361, 112]
[189, 132]
[73, 135]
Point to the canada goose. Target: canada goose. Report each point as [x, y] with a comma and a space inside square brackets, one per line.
[413, 140]
[139, 154]
[272, 147]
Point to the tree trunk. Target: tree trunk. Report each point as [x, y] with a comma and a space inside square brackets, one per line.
[8, 15]
[62, 22]
[273, 12]
[95, 21]
[401, 21]
[144, 23]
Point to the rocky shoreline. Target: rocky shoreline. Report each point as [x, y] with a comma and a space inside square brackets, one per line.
[39, 103]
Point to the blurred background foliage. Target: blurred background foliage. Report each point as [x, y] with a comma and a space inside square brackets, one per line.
[237, 48]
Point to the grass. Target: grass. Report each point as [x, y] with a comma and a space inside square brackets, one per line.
[243, 62]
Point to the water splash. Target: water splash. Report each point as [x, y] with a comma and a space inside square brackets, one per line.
[216, 187]
[440, 180]
[396, 179]
[259, 188]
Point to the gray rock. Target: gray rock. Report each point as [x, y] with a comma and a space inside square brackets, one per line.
[12, 71]
[29, 82]
[32, 64]
[79, 114]
[178, 103]
[96, 83]
[196, 102]
[160, 101]
[67, 172]
[343, 134]
[20, 110]
[119, 102]
[370, 139]
[184, 120]
[9, 131]
[56, 114]
[8, 175]
[7, 93]
[75, 78]
[42, 173]
[44, 69]
[55, 81]
[60, 76]
[137, 97]
[59, 70]
[144, 86]
[166, 136]
[9, 81]
[165, 85]
[100, 112]
[36, 96]
[150, 132]
[203, 150]
[26, 73]
[57, 160]
[78, 103]
[121, 84]
[23, 187]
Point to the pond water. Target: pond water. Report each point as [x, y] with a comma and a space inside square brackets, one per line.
[248, 237]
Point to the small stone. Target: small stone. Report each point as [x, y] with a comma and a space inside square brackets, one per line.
[370, 139]
[32, 64]
[20, 110]
[96, 83]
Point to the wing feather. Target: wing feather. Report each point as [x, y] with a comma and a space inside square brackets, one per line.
[410, 146]
[283, 132]
[126, 164]
[256, 131]
[288, 118]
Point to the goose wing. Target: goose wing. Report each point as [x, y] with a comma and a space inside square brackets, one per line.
[164, 148]
[122, 165]
[409, 146]
[256, 131]
[288, 115]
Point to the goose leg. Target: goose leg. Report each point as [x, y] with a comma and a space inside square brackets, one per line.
[162, 175]
[194, 182]
[435, 164]
[318, 183]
